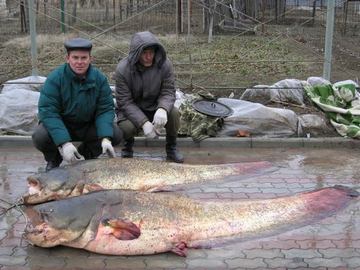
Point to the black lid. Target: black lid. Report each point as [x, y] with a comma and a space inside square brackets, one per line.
[78, 44]
[212, 108]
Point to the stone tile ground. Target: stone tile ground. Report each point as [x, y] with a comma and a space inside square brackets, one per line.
[333, 243]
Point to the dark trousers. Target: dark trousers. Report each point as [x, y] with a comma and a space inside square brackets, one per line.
[90, 146]
[172, 126]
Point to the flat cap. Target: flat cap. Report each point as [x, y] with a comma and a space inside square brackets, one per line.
[78, 44]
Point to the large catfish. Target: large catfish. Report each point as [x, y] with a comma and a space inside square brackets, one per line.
[135, 174]
[124, 222]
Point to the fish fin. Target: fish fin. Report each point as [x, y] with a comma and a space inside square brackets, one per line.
[180, 249]
[163, 189]
[123, 229]
[92, 187]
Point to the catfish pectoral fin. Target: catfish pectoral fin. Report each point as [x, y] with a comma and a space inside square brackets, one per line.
[123, 229]
[92, 187]
[180, 249]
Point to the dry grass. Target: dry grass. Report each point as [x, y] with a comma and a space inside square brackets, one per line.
[229, 61]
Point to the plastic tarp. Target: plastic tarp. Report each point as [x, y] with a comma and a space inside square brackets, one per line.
[18, 105]
[287, 91]
[258, 120]
[341, 103]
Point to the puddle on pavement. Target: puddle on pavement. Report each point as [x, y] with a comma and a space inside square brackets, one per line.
[293, 170]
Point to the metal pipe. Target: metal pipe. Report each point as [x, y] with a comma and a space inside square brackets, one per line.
[32, 22]
[330, 14]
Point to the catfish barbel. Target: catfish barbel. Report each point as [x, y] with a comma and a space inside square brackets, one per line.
[134, 174]
[124, 222]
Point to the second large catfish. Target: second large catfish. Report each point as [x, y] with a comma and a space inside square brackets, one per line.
[134, 174]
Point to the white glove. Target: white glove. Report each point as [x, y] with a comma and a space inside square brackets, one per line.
[70, 153]
[107, 147]
[160, 118]
[149, 130]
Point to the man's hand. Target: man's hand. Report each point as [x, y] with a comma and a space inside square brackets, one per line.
[107, 147]
[149, 130]
[160, 118]
[70, 153]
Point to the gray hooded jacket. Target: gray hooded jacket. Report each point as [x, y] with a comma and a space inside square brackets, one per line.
[140, 89]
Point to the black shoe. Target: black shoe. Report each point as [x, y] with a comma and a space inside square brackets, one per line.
[51, 165]
[125, 153]
[174, 156]
[171, 153]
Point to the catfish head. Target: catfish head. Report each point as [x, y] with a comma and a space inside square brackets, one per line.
[56, 184]
[77, 221]
[60, 222]
[41, 232]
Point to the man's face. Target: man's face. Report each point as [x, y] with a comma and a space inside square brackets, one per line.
[79, 61]
[147, 57]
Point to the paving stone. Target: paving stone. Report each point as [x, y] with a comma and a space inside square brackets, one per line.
[246, 263]
[61, 251]
[17, 251]
[3, 234]
[289, 186]
[12, 260]
[246, 245]
[215, 189]
[166, 262]
[6, 251]
[344, 253]
[35, 252]
[204, 195]
[224, 253]
[316, 244]
[288, 263]
[301, 253]
[23, 267]
[47, 262]
[322, 262]
[7, 221]
[353, 262]
[245, 190]
[197, 253]
[275, 190]
[260, 185]
[206, 263]
[232, 195]
[87, 263]
[345, 243]
[262, 253]
[121, 262]
[284, 244]
[262, 195]
[10, 242]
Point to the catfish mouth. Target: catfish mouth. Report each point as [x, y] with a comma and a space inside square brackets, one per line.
[37, 193]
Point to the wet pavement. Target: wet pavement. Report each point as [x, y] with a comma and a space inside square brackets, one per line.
[332, 243]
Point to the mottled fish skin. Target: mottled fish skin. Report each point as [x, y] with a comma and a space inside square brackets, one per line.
[123, 222]
[134, 174]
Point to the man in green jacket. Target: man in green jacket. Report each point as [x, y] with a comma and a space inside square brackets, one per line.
[76, 104]
[145, 94]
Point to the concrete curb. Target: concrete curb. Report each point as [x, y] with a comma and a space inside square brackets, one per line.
[326, 142]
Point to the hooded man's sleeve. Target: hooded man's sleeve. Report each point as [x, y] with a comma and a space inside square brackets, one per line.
[167, 96]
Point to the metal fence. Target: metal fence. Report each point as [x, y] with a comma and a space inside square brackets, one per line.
[254, 42]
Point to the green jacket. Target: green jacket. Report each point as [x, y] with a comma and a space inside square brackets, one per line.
[66, 101]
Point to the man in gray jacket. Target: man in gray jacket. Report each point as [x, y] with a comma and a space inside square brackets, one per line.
[145, 94]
